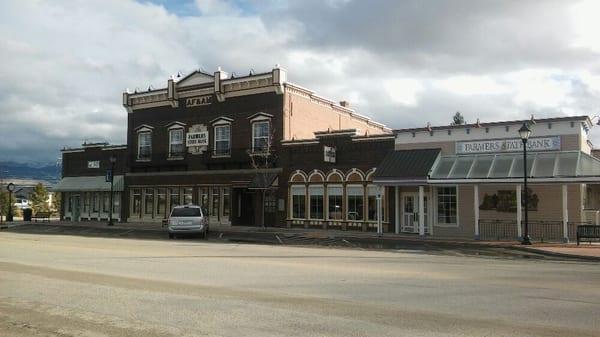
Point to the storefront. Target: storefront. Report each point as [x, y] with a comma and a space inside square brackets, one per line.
[466, 181]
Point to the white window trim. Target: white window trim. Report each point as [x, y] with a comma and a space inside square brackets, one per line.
[435, 209]
[326, 211]
[261, 121]
[347, 201]
[220, 125]
[176, 128]
[322, 204]
[140, 132]
[292, 200]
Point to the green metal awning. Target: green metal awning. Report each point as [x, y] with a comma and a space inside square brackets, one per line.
[559, 166]
[96, 183]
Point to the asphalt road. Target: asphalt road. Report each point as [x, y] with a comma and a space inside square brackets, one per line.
[54, 285]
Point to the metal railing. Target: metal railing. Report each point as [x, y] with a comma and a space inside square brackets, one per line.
[539, 230]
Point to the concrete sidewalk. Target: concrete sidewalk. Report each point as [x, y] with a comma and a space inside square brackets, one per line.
[282, 235]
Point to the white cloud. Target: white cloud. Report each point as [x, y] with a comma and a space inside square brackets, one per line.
[472, 85]
[403, 90]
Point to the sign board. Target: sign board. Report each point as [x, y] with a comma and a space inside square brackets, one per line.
[197, 139]
[198, 101]
[109, 176]
[329, 154]
[93, 164]
[508, 145]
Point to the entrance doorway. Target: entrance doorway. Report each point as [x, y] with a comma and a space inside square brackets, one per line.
[75, 208]
[410, 213]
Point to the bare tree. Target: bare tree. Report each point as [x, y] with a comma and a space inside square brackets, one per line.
[261, 159]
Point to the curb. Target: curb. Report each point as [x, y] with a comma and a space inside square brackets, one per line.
[555, 254]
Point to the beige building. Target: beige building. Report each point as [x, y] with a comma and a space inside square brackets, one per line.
[466, 180]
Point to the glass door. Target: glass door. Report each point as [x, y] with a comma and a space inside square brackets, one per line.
[409, 208]
[76, 212]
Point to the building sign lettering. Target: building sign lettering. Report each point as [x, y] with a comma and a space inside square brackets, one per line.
[197, 139]
[508, 145]
[93, 164]
[329, 154]
[198, 101]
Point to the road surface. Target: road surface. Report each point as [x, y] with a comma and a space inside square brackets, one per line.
[53, 285]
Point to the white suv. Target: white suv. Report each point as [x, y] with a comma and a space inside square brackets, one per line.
[188, 219]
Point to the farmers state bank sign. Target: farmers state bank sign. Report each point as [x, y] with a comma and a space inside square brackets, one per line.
[508, 145]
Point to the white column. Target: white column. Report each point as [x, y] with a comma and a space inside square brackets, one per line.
[476, 209]
[397, 208]
[519, 212]
[565, 213]
[421, 211]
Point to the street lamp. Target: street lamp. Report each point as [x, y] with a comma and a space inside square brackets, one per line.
[113, 160]
[10, 188]
[524, 133]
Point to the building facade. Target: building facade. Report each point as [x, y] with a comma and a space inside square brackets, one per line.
[467, 179]
[84, 185]
[216, 140]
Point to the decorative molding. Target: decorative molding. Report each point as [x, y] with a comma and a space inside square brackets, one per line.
[260, 116]
[144, 128]
[221, 121]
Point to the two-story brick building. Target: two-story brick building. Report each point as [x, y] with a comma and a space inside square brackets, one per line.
[216, 140]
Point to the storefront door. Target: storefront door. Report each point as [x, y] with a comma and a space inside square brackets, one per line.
[75, 207]
[217, 200]
[410, 213]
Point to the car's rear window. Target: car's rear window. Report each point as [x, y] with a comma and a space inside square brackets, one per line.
[185, 212]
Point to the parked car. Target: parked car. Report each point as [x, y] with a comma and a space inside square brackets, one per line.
[22, 203]
[188, 219]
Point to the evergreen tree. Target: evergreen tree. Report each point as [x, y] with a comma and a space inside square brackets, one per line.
[56, 202]
[458, 119]
[39, 199]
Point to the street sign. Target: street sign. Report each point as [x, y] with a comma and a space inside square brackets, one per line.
[109, 176]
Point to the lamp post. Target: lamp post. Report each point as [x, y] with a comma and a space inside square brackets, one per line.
[10, 188]
[113, 160]
[524, 133]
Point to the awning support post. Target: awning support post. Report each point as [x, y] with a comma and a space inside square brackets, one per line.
[476, 209]
[519, 213]
[397, 208]
[565, 214]
[421, 211]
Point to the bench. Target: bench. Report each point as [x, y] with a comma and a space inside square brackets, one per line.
[588, 232]
[42, 216]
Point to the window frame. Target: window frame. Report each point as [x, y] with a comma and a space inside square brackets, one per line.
[216, 140]
[172, 154]
[292, 188]
[255, 123]
[310, 204]
[341, 196]
[139, 145]
[362, 218]
[437, 194]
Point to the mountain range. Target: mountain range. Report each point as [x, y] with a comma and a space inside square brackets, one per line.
[45, 172]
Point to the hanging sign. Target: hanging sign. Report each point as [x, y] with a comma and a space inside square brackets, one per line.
[508, 145]
[329, 154]
[196, 139]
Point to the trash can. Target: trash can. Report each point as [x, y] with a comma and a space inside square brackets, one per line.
[27, 212]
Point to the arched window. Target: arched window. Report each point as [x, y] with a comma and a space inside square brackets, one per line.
[298, 177]
[355, 175]
[335, 176]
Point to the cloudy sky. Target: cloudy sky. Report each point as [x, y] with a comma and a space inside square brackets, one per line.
[64, 64]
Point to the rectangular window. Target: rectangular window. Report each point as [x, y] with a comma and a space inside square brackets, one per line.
[116, 203]
[144, 145]
[137, 202]
[187, 195]
[176, 143]
[446, 205]
[315, 193]
[222, 140]
[69, 202]
[270, 202]
[95, 202]
[149, 201]
[161, 201]
[106, 202]
[216, 200]
[334, 200]
[86, 202]
[174, 197]
[298, 202]
[372, 203]
[355, 195]
[204, 201]
[226, 202]
[260, 136]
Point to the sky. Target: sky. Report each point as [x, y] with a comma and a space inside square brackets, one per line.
[65, 64]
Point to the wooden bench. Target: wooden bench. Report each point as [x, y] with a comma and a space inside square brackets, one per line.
[42, 216]
[587, 232]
